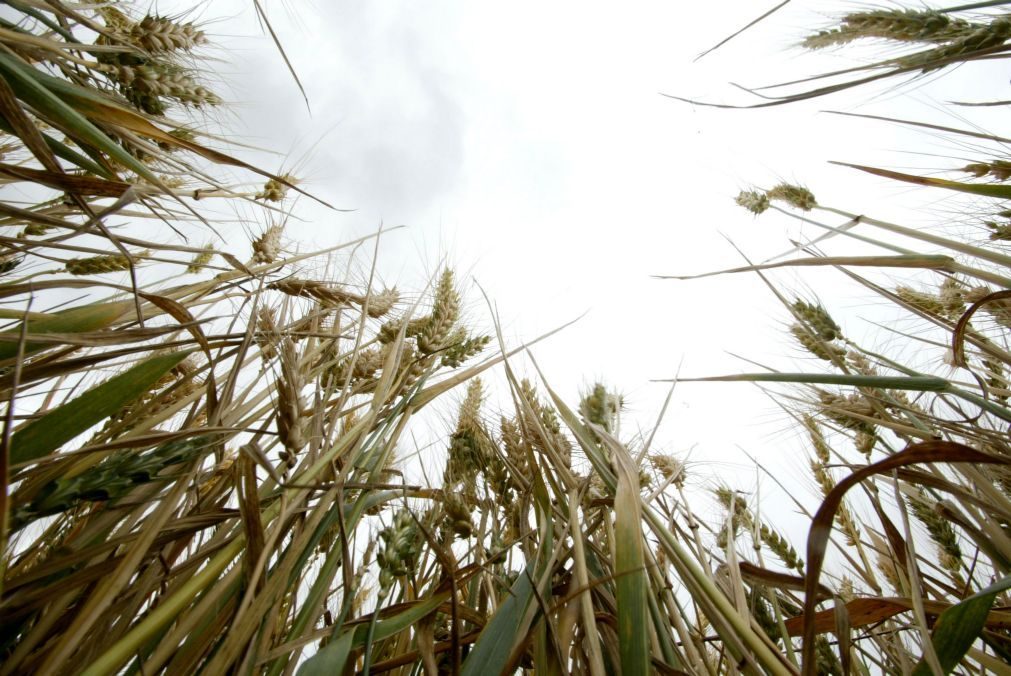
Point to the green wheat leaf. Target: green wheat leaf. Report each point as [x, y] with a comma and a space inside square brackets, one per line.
[62, 424]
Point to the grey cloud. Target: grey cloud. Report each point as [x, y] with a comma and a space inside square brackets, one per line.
[398, 144]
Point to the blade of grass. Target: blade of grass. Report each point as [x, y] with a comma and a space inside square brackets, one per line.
[925, 262]
[821, 524]
[491, 652]
[629, 563]
[46, 434]
[959, 626]
[75, 320]
[980, 189]
[30, 86]
[333, 658]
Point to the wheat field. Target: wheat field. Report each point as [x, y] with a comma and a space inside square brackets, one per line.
[202, 452]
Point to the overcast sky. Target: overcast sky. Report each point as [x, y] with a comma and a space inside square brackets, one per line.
[528, 144]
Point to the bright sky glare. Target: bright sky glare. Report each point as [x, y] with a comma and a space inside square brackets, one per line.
[528, 144]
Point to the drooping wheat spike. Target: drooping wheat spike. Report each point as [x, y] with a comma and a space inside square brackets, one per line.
[826, 661]
[445, 311]
[97, 265]
[822, 475]
[496, 473]
[145, 85]
[846, 590]
[9, 262]
[781, 547]
[457, 514]
[952, 297]
[360, 592]
[726, 533]
[362, 367]
[818, 319]
[402, 542]
[886, 563]
[940, 530]
[469, 418]
[899, 25]
[111, 479]
[200, 260]
[865, 442]
[461, 348]
[267, 247]
[925, 302]
[752, 200]
[860, 363]
[1000, 309]
[549, 425]
[35, 230]
[218, 479]
[305, 288]
[291, 426]
[794, 195]
[819, 347]
[821, 448]
[999, 170]
[177, 384]
[845, 409]
[761, 611]
[601, 407]
[983, 37]
[735, 505]
[996, 378]
[826, 482]
[669, 467]
[266, 336]
[999, 232]
[380, 304]
[275, 191]
[517, 521]
[514, 446]
[157, 34]
[849, 526]
[468, 447]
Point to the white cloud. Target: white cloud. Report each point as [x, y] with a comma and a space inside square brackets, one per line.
[529, 142]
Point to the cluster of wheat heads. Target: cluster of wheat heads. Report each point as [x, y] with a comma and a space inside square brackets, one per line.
[905, 567]
[200, 448]
[556, 546]
[194, 438]
[907, 559]
[186, 493]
